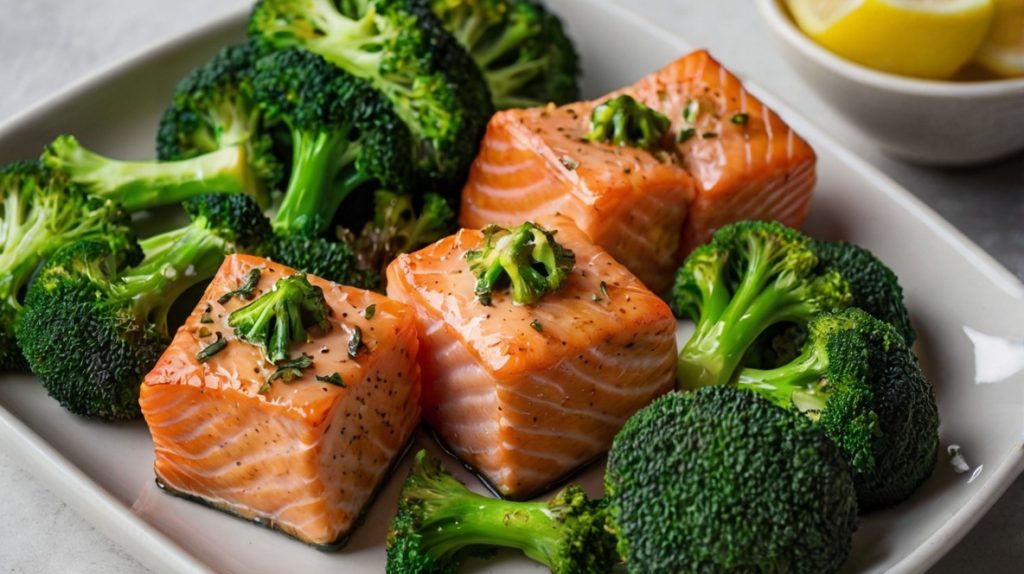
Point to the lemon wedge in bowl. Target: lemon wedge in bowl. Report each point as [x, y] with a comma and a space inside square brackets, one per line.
[1003, 50]
[919, 38]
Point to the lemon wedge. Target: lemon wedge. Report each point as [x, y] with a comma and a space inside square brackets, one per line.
[1003, 50]
[921, 38]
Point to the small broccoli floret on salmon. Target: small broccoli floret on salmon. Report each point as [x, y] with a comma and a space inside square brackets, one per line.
[281, 317]
[440, 522]
[521, 49]
[95, 319]
[626, 122]
[858, 380]
[399, 48]
[527, 256]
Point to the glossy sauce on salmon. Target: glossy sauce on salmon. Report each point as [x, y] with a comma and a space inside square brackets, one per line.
[528, 394]
[303, 456]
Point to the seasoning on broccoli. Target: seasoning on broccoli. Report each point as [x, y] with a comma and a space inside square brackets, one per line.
[281, 317]
[527, 255]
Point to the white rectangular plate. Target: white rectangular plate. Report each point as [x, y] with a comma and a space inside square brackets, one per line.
[105, 470]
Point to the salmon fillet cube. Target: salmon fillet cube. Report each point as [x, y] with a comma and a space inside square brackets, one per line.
[528, 394]
[303, 456]
[746, 162]
[534, 162]
[734, 159]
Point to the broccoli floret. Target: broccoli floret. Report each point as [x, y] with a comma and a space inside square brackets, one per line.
[39, 212]
[873, 286]
[396, 228]
[214, 108]
[626, 122]
[721, 480]
[332, 260]
[752, 275]
[402, 50]
[528, 255]
[95, 318]
[343, 137]
[857, 379]
[522, 50]
[440, 522]
[139, 185]
[281, 317]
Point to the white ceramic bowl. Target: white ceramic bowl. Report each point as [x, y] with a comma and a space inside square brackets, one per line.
[924, 121]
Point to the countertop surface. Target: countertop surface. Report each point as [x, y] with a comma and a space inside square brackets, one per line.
[47, 44]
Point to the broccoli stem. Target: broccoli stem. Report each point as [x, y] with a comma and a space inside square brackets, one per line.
[458, 518]
[141, 185]
[800, 383]
[173, 262]
[319, 182]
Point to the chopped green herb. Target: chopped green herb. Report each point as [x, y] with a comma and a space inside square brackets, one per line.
[537, 326]
[708, 135]
[246, 289]
[212, 349]
[370, 311]
[355, 343]
[604, 289]
[740, 119]
[332, 379]
[691, 111]
[685, 135]
[596, 298]
[289, 370]
[264, 388]
[205, 317]
[569, 163]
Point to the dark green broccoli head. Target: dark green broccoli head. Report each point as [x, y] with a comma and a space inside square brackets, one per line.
[859, 382]
[344, 136]
[874, 287]
[522, 50]
[750, 276]
[332, 260]
[82, 338]
[213, 108]
[624, 121]
[281, 317]
[440, 522]
[401, 49]
[396, 228]
[527, 255]
[39, 212]
[139, 185]
[95, 319]
[721, 480]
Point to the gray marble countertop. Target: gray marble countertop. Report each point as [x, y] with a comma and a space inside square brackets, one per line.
[47, 44]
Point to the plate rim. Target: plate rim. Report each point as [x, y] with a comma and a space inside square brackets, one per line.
[161, 552]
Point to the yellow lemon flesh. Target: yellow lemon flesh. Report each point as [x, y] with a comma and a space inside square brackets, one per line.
[920, 38]
[1003, 50]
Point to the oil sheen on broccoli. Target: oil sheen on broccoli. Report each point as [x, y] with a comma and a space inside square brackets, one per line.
[720, 480]
[40, 211]
[95, 319]
[281, 317]
[521, 49]
[859, 381]
[400, 48]
[527, 257]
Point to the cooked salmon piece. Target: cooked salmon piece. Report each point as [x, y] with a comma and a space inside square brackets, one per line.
[746, 162]
[528, 394]
[303, 456]
[649, 210]
[535, 162]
